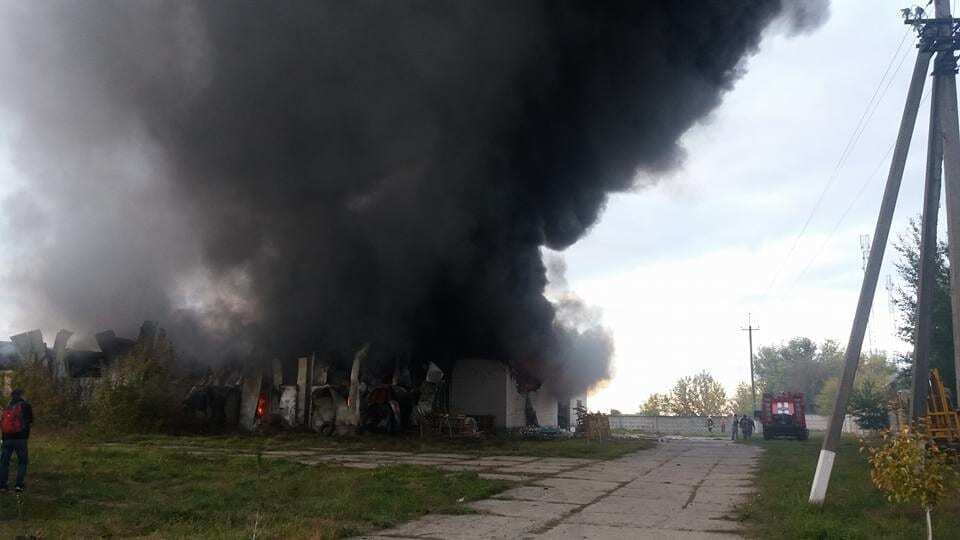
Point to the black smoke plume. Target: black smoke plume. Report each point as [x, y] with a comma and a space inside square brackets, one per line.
[297, 176]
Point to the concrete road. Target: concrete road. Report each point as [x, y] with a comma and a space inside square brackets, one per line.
[683, 489]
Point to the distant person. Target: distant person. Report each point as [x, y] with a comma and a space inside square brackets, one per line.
[710, 424]
[733, 428]
[746, 426]
[723, 425]
[15, 424]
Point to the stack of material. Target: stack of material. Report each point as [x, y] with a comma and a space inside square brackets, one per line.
[942, 420]
[592, 426]
[448, 425]
[541, 433]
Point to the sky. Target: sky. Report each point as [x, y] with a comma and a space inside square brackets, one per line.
[676, 268]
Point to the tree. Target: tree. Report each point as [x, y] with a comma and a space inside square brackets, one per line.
[905, 299]
[798, 366]
[827, 397]
[699, 395]
[742, 402]
[868, 405]
[868, 399]
[656, 405]
[615, 412]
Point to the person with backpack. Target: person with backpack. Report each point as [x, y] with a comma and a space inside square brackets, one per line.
[15, 425]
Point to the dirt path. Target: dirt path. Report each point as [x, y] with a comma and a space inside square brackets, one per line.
[683, 489]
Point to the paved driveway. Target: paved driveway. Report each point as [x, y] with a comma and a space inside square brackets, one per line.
[682, 489]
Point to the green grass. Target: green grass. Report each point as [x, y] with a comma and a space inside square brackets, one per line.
[79, 487]
[854, 508]
[568, 448]
[79, 490]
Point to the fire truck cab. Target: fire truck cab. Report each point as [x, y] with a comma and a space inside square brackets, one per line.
[783, 415]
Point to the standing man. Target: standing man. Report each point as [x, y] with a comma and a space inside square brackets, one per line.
[733, 428]
[746, 425]
[15, 424]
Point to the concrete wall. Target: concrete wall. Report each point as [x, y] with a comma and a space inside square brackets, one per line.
[668, 425]
[479, 387]
[818, 422]
[694, 425]
[546, 405]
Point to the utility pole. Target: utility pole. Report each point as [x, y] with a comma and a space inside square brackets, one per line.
[940, 36]
[753, 387]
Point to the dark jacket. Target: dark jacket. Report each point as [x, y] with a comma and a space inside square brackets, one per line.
[27, 420]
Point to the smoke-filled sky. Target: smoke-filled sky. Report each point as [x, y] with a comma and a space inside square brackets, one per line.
[728, 219]
[285, 177]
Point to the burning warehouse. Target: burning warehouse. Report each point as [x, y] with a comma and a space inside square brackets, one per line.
[479, 395]
[482, 395]
[270, 182]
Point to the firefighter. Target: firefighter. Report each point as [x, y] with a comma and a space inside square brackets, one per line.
[746, 425]
[15, 424]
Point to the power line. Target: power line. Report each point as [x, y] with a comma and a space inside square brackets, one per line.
[848, 149]
[856, 198]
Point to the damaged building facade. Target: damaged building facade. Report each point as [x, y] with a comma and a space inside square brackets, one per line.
[476, 395]
[83, 368]
[473, 396]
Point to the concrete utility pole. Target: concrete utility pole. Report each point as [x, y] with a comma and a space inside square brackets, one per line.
[937, 36]
[753, 387]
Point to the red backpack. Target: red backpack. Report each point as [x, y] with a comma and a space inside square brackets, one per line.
[12, 420]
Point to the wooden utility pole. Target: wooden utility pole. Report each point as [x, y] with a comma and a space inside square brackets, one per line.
[937, 36]
[753, 387]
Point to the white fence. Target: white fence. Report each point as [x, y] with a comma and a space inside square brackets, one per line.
[697, 425]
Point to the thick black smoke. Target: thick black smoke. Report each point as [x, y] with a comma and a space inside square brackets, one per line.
[314, 175]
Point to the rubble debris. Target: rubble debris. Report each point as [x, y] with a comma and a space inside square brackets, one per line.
[542, 433]
[213, 405]
[428, 392]
[303, 372]
[277, 374]
[326, 402]
[287, 405]
[113, 347]
[448, 425]
[353, 398]
[249, 400]
[60, 369]
[30, 345]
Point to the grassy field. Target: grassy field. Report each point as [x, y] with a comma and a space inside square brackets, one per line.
[79, 488]
[75, 490]
[854, 509]
[569, 448]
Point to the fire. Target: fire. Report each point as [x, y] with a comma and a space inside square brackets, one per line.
[261, 405]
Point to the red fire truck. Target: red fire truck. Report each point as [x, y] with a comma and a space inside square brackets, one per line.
[783, 415]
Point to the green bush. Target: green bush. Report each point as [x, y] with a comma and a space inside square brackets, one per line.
[55, 402]
[138, 393]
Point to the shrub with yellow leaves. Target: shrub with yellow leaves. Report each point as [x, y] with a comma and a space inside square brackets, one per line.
[910, 468]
